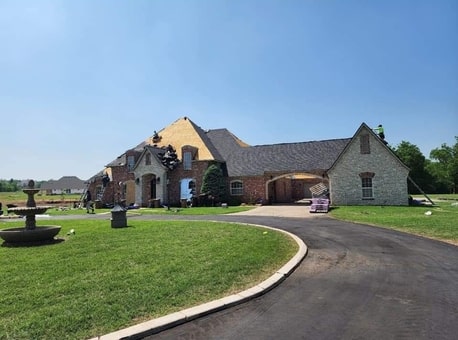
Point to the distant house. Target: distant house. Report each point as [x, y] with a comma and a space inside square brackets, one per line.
[65, 185]
[360, 170]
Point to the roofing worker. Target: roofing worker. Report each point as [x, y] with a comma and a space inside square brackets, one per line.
[380, 131]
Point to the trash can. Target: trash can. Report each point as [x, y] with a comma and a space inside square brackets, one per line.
[118, 217]
[157, 202]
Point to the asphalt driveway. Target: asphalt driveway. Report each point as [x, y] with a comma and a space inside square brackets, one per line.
[357, 282]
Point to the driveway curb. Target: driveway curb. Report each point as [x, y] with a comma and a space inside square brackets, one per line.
[168, 321]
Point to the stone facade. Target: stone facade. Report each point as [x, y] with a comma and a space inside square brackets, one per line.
[388, 174]
[153, 181]
[150, 181]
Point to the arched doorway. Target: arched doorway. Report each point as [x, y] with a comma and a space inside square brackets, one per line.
[149, 189]
[292, 187]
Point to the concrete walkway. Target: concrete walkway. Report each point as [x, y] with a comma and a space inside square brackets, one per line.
[296, 210]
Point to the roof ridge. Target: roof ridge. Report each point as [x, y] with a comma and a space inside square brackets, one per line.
[305, 142]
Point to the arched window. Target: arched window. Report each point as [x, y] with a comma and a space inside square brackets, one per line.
[236, 188]
[187, 188]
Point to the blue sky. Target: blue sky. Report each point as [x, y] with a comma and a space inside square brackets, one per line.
[83, 81]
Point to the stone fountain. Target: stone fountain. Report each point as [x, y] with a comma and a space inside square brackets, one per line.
[31, 233]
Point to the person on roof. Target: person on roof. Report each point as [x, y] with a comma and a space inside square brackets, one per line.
[380, 131]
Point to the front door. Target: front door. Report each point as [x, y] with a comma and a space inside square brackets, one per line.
[153, 188]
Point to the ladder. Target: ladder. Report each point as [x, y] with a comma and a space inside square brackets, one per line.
[83, 195]
[419, 189]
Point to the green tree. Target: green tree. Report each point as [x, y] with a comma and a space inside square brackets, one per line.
[411, 156]
[9, 185]
[214, 183]
[444, 165]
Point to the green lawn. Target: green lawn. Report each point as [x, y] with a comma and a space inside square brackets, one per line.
[158, 211]
[102, 279]
[441, 224]
[65, 207]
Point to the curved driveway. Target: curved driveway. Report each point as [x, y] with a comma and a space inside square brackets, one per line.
[357, 282]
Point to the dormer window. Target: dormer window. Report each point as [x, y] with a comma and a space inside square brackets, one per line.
[130, 163]
[189, 154]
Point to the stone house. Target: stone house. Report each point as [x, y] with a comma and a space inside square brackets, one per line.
[168, 168]
[367, 172]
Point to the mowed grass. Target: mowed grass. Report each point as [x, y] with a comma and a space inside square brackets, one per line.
[158, 211]
[65, 207]
[102, 279]
[441, 224]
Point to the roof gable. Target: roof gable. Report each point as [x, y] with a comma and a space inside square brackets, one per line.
[364, 128]
[184, 132]
[154, 152]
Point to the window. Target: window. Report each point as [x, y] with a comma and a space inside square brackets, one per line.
[130, 163]
[187, 188]
[187, 160]
[236, 188]
[366, 183]
[364, 144]
[148, 159]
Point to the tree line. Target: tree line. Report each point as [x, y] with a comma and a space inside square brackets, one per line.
[436, 175]
[13, 185]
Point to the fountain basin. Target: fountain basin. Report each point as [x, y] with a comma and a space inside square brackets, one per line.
[29, 210]
[23, 235]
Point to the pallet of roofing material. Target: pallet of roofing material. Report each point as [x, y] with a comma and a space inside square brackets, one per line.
[319, 205]
[319, 190]
[320, 200]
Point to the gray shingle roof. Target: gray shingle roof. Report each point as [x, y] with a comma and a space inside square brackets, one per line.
[244, 160]
[205, 138]
[292, 157]
[66, 182]
[224, 141]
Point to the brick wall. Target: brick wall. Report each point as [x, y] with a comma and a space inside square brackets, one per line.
[196, 173]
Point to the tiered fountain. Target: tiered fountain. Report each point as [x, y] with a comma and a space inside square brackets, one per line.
[31, 233]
